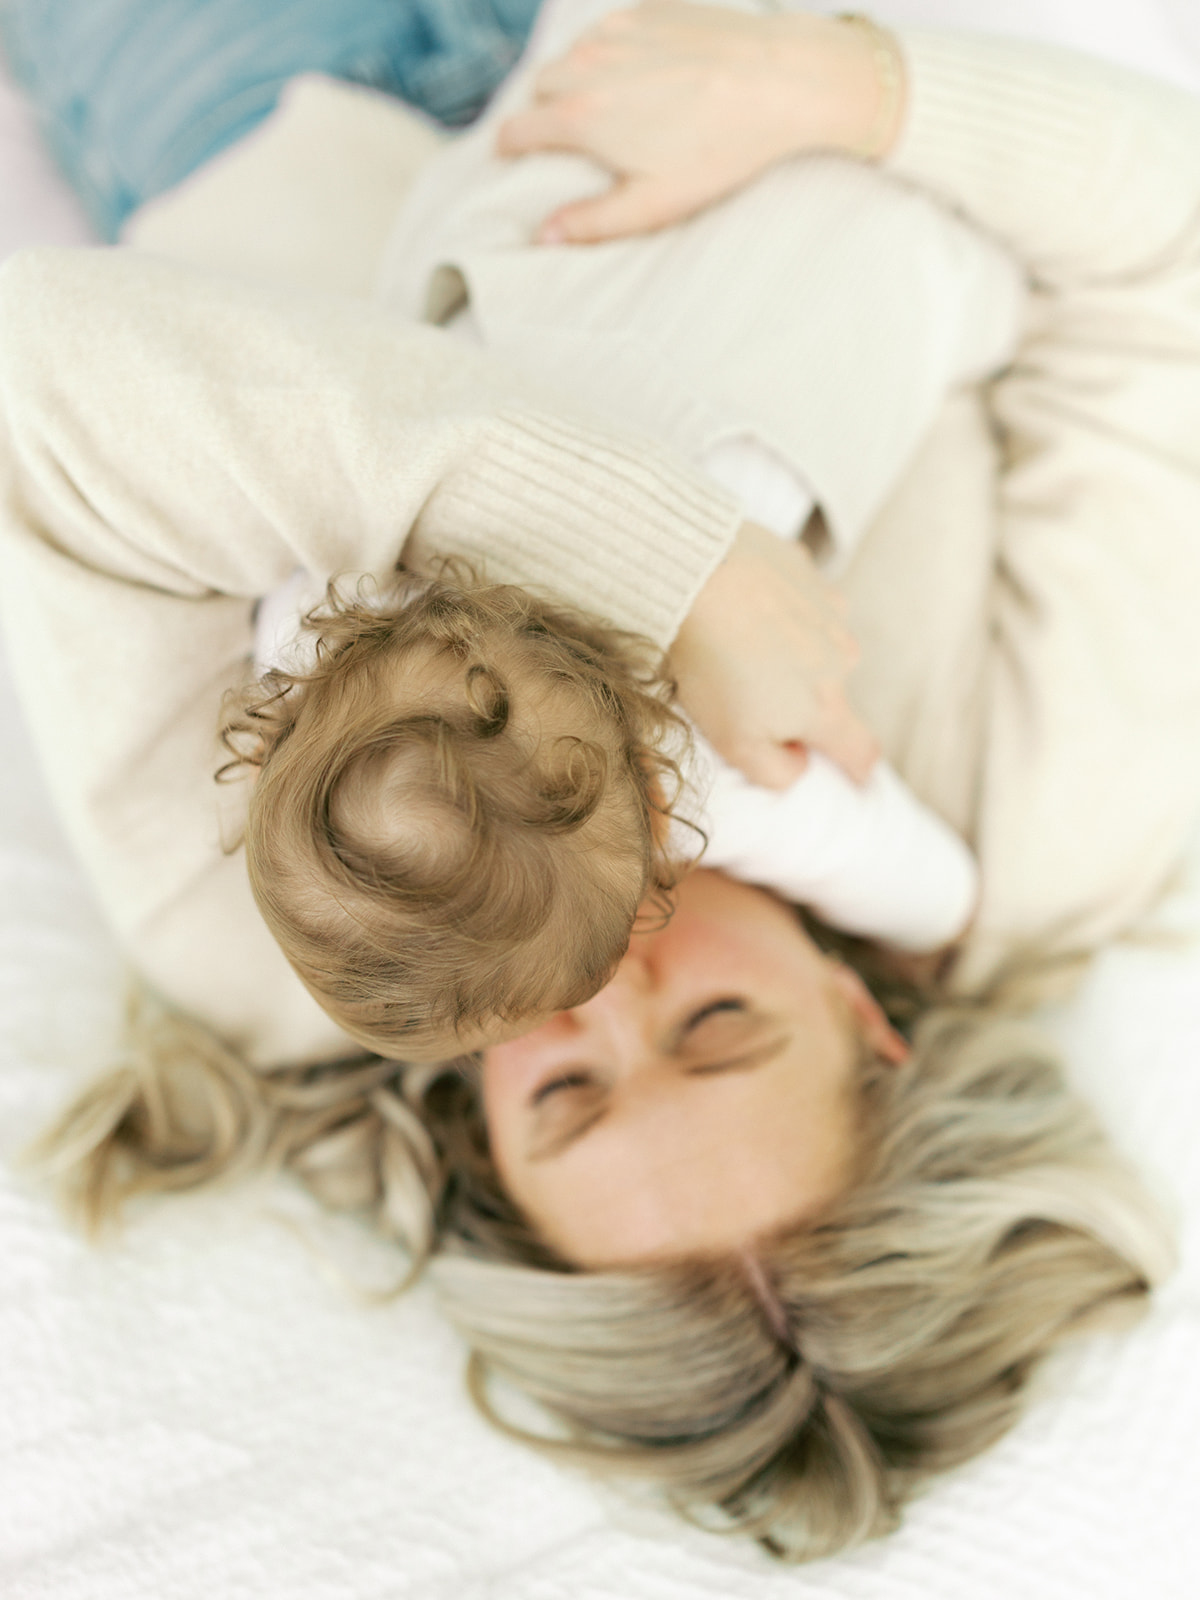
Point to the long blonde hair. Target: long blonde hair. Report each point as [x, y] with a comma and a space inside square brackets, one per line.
[801, 1402]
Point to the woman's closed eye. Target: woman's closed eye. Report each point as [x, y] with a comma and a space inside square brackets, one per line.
[565, 1106]
[731, 1005]
[725, 1035]
[574, 1078]
[581, 1077]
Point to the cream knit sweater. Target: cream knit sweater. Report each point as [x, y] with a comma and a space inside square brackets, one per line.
[175, 446]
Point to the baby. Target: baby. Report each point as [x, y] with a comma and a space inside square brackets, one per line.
[462, 800]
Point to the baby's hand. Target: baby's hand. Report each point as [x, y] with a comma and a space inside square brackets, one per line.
[761, 662]
[686, 103]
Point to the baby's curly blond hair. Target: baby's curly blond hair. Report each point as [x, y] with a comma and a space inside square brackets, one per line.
[457, 808]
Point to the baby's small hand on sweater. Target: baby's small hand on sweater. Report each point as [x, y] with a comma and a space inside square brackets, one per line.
[761, 663]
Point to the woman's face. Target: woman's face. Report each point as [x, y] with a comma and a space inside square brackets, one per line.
[705, 1096]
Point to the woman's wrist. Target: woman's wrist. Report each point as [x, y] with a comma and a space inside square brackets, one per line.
[850, 85]
[888, 89]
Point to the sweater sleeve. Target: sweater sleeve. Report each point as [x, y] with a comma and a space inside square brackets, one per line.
[1090, 766]
[767, 317]
[175, 446]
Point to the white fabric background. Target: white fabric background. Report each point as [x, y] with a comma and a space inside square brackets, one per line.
[196, 1410]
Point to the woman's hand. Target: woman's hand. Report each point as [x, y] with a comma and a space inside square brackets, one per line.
[686, 103]
[761, 663]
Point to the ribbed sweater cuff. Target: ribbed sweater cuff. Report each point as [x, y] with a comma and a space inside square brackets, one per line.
[619, 528]
[1050, 149]
[958, 84]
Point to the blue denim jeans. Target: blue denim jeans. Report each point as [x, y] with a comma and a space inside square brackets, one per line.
[134, 95]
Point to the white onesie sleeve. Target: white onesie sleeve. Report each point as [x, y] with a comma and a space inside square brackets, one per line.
[869, 859]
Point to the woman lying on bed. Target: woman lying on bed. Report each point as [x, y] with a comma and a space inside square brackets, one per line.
[847, 1256]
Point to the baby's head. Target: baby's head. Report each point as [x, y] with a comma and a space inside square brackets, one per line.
[456, 812]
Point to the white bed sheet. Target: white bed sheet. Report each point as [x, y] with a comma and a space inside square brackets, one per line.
[196, 1410]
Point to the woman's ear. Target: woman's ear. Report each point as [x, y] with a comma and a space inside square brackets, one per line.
[868, 1013]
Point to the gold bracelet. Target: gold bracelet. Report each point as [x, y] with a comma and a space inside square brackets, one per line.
[889, 73]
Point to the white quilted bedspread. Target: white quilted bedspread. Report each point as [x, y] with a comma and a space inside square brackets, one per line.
[199, 1410]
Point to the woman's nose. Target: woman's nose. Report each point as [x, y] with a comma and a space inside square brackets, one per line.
[624, 1011]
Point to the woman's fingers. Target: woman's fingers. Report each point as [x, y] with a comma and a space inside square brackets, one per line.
[761, 663]
[844, 737]
[667, 98]
[538, 127]
[770, 765]
[696, 101]
[632, 205]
